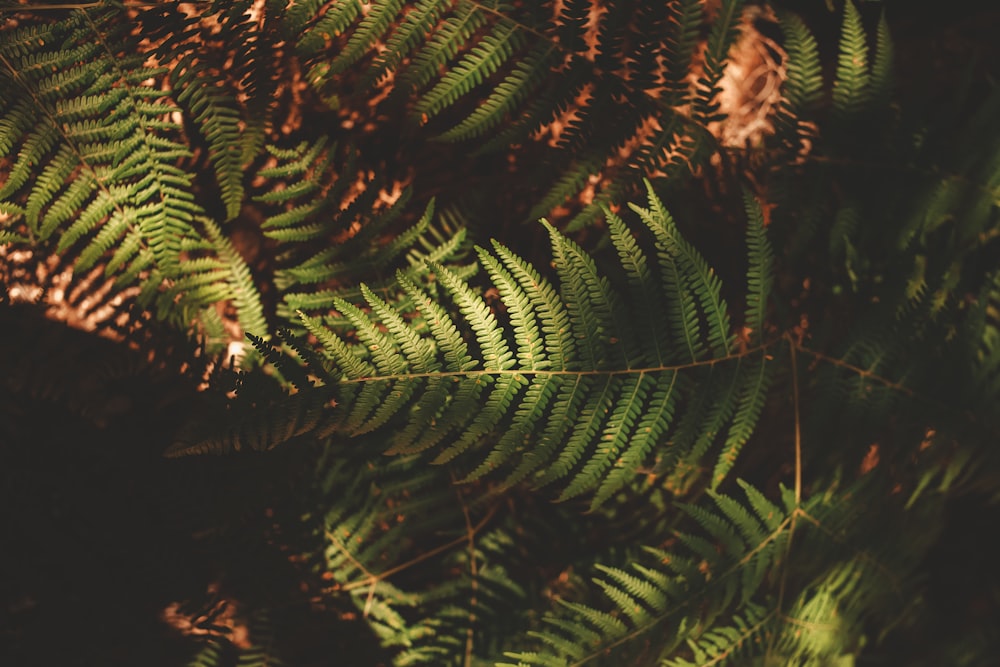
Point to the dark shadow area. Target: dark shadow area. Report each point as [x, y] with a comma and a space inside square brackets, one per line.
[101, 534]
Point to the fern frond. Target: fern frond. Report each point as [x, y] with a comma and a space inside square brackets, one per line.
[803, 88]
[677, 594]
[721, 38]
[443, 44]
[305, 202]
[594, 311]
[539, 109]
[759, 271]
[544, 300]
[615, 436]
[655, 422]
[679, 46]
[606, 394]
[721, 645]
[509, 95]
[527, 340]
[98, 166]
[852, 84]
[494, 350]
[446, 334]
[406, 36]
[686, 266]
[569, 184]
[312, 207]
[481, 62]
[334, 21]
[498, 73]
[752, 392]
[209, 655]
[883, 65]
[214, 110]
[259, 650]
[643, 290]
[244, 292]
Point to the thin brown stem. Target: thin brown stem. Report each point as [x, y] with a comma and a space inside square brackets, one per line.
[418, 559]
[798, 424]
[470, 533]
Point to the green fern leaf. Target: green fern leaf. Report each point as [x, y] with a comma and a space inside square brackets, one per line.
[653, 424]
[852, 85]
[759, 272]
[495, 352]
[449, 36]
[527, 75]
[593, 309]
[446, 335]
[679, 47]
[803, 88]
[554, 387]
[484, 60]
[682, 269]
[720, 40]
[214, 110]
[555, 322]
[752, 393]
[720, 646]
[406, 36]
[883, 65]
[615, 435]
[646, 601]
[335, 20]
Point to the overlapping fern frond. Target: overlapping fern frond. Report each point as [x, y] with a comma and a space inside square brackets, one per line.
[623, 376]
[671, 605]
[747, 582]
[104, 131]
[311, 199]
[426, 603]
[221, 60]
[100, 166]
[579, 380]
[497, 74]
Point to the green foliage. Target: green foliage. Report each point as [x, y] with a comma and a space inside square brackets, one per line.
[97, 164]
[490, 66]
[691, 430]
[572, 364]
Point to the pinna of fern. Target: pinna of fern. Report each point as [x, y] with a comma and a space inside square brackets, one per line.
[224, 75]
[581, 385]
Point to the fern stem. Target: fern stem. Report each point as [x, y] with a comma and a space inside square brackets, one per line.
[862, 372]
[782, 584]
[968, 415]
[792, 519]
[569, 373]
[738, 643]
[798, 423]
